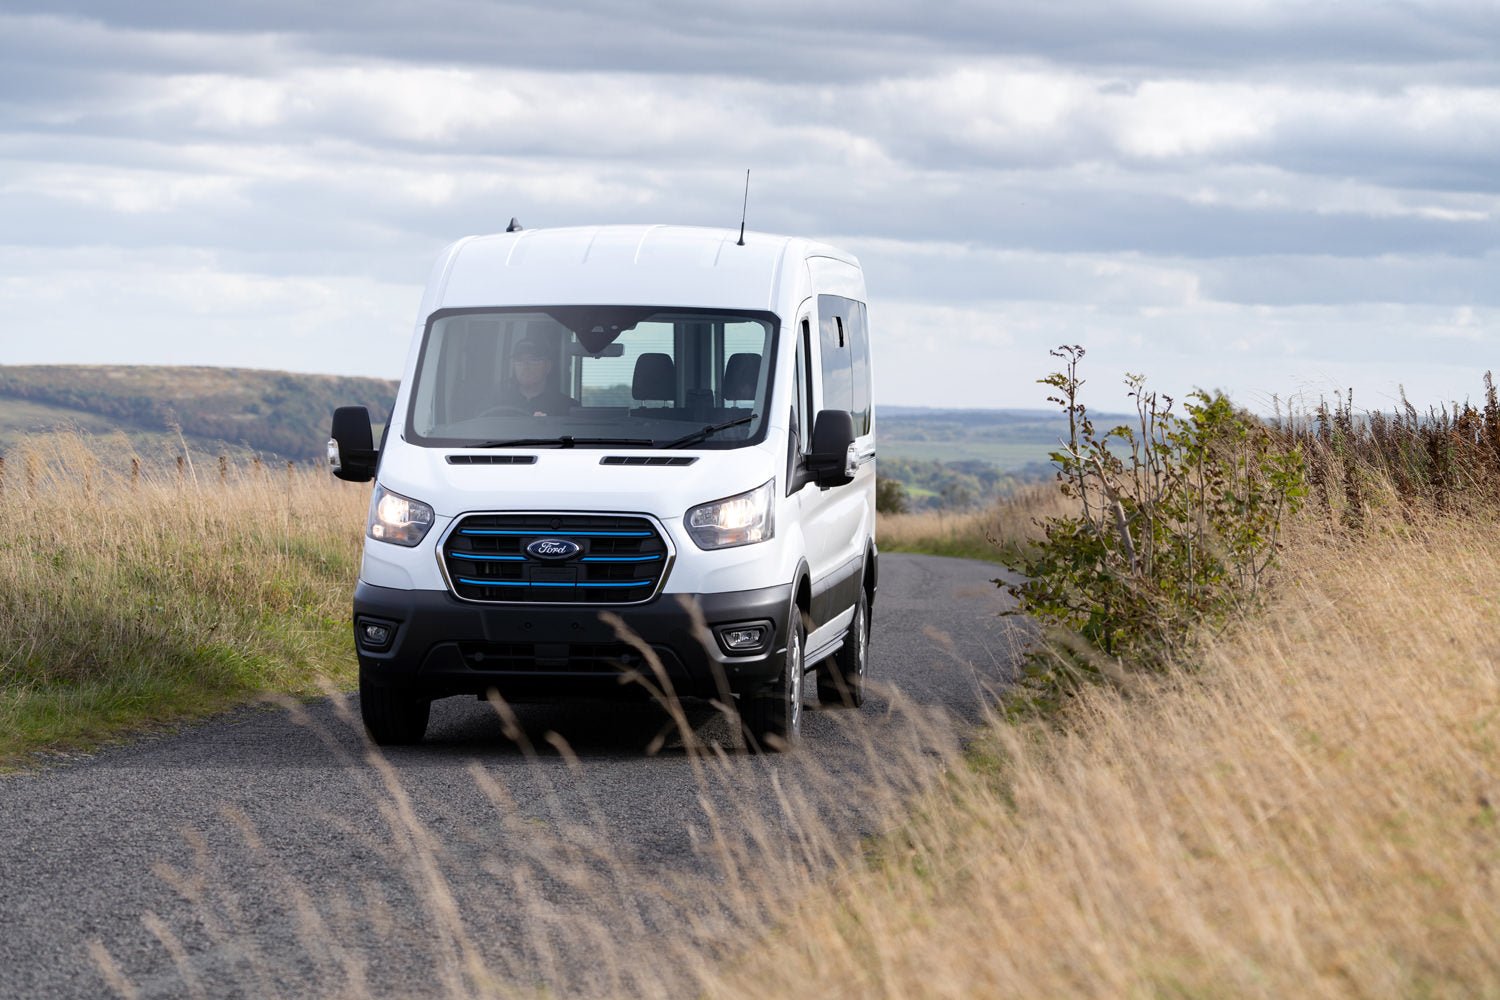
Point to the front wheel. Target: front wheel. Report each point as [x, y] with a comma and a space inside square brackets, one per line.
[773, 718]
[393, 715]
[841, 678]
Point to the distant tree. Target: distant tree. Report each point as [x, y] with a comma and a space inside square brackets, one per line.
[957, 495]
[890, 496]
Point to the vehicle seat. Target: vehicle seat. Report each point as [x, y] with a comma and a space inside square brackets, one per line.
[655, 380]
[741, 373]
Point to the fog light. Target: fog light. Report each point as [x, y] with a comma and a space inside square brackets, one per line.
[752, 637]
[374, 635]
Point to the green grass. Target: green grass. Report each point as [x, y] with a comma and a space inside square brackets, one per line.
[131, 605]
[958, 546]
[999, 533]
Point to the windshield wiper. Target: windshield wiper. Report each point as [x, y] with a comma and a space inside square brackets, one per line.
[708, 431]
[566, 441]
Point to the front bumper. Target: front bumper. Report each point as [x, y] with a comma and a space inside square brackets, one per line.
[439, 645]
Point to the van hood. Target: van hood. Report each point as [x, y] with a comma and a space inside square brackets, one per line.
[461, 480]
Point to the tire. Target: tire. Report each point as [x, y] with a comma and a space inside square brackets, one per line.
[773, 718]
[393, 715]
[841, 677]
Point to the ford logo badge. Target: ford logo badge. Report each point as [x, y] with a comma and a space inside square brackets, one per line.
[553, 548]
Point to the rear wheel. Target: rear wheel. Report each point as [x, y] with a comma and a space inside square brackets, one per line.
[393, 715]
[841, 677]
[773, 718]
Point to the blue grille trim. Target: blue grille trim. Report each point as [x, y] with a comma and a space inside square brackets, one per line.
[575, 586]
[481, 557]
[575, 534]
[620, 559]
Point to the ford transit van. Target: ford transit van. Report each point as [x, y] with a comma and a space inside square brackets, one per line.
[622, 459]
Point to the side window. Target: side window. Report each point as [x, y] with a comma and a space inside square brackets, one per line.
[802, 401]
[859, 345]
[833, 344]
[843, 336]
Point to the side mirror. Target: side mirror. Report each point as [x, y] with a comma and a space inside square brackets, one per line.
[351, 445]
[832, 461]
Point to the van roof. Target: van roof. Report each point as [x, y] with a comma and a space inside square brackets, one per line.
[624, 265]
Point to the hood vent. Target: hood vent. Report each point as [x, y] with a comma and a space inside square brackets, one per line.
[648, 460]
[491, 459]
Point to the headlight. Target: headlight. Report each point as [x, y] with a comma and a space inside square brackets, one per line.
[397, 519]
[738, 520]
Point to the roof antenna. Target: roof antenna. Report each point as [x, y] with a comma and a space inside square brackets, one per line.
[744, 208]
[514, 227]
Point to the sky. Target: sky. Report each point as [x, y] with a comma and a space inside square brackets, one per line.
[1279, 199]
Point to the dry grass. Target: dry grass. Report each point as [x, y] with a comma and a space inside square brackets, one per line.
[1005, 527]
[128, 598]
[1312, 815]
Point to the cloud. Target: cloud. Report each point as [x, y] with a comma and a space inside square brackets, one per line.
[1265, 178]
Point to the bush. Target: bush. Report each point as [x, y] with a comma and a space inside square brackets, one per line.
[890, 496]
[1178, 523]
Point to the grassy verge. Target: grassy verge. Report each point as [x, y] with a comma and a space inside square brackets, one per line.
[995, 534]
[133, 600]
[1313, 813]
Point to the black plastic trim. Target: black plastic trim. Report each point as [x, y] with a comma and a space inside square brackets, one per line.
[837, 592]
[651, 460]
[491, 459]
[565, 647]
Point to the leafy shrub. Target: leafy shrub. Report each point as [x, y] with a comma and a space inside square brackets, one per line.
[1177, 524]
[890, 496]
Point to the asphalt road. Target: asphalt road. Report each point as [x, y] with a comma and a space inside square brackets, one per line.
[265, 853]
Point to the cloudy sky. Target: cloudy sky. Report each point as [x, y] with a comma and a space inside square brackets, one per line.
[1273, 198]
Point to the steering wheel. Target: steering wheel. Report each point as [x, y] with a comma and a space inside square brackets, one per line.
[501, 409]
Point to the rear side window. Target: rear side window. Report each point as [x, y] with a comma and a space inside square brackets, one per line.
[843, 337]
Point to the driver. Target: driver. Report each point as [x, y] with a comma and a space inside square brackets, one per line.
[532, 389]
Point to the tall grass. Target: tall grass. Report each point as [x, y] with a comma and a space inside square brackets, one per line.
[1313, 813]
[1310, 811]
[1444, 461]
[136, 593]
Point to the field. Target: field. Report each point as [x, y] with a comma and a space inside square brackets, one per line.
[1005, 455]
[140, 599]
[1308, 808]
[1010, 440]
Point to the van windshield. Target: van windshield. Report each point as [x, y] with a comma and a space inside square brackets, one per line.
[592, 376]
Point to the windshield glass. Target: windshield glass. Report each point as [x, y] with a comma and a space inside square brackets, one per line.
[592, 376]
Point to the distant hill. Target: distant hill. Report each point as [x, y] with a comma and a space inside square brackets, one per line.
[944, 457]
[276, 415]
[1010, 440]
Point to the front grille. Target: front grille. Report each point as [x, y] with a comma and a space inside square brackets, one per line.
[621, 559]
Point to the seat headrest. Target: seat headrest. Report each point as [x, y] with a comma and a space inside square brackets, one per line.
[655, 377]
[741, 373]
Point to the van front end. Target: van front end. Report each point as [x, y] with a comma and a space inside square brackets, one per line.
[661, 582]
[553, 603]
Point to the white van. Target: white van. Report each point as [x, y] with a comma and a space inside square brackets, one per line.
[664, 424]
